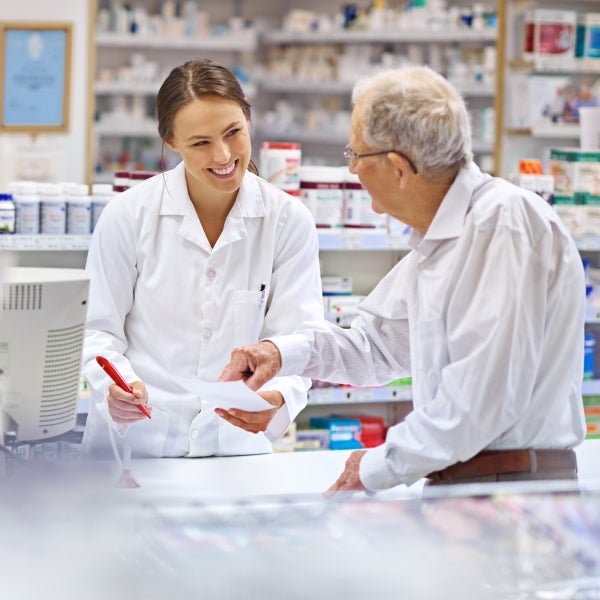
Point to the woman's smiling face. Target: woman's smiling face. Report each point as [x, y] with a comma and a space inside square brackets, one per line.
[211, 135]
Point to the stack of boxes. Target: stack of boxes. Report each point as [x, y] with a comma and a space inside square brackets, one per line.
[577, 190]
[577, 200]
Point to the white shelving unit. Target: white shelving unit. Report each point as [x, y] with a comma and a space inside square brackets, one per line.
[519, 135]
[322, 143]
[535, 138]
[125, 121]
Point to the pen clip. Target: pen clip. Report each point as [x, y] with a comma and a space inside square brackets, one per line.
[263, 293]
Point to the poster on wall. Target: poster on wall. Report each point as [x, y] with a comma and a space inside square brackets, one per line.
[35, 77]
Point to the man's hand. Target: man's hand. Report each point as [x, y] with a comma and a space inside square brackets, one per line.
[122, 406]
[349, 480]
[255, 364]
[254, 421]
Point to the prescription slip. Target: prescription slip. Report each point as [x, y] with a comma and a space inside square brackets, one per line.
[224, 394]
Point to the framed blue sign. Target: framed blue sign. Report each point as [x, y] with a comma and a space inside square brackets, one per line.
[35, 77]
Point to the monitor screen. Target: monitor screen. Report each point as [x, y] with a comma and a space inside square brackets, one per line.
[42, 323]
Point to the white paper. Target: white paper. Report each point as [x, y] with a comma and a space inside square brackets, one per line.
[224, 394]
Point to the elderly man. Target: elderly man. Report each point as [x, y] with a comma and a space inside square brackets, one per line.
[486, 312]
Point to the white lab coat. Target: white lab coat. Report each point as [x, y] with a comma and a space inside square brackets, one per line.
[164, 303]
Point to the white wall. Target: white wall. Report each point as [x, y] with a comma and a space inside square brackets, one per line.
[67, 151]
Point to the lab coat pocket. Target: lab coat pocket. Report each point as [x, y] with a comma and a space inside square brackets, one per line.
[248, 315]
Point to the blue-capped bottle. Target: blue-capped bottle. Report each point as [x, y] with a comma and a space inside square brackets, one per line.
[7, 214]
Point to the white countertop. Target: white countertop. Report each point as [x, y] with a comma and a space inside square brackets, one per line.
[258, 527]
[287, 473]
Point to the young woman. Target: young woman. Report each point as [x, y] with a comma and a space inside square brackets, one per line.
[187, 265]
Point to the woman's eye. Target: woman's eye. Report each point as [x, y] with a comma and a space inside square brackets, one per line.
[233, 132]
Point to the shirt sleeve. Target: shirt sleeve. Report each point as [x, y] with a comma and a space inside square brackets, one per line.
[295, 297]
[111, 266]
[374, 350]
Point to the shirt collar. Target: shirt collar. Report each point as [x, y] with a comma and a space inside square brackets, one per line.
[450, 217]
[176, 201]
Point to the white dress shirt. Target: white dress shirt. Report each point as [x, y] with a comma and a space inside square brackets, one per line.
[486, 313]
[163, 303]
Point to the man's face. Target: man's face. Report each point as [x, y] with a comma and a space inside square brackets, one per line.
[374, 172]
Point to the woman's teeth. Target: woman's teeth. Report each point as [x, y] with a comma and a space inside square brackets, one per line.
[224, 171]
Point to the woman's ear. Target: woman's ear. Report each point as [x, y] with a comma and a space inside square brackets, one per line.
[169, 144]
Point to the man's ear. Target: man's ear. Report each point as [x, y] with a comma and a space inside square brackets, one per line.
[401, 169]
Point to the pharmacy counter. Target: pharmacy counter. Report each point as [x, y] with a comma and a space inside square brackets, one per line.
[283, 474]
[258, 527]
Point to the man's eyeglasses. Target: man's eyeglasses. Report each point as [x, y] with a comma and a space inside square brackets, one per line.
[351, 156]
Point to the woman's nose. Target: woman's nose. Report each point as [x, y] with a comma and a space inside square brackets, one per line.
[221, 153]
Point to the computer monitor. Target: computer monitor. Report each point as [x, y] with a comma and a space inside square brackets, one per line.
[42, 322]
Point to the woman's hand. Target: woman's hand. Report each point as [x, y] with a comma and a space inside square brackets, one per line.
[122, 406]
[256, 421]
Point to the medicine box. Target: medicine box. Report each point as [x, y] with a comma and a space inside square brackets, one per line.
[344, 433]
[549, 37]
[336, 285]
[587, 45]
[576, 173]
[372, 429]
[342, 310]
[543, 185]
[591, 408]
[572, 217]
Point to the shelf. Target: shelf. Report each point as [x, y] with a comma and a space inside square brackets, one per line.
[142, 130]
[482, 147]
[340, 238]
[232, 41]
[590, 387]
[269, 83]
[557, 131]
[335, 239]
[306, 137]
[361, 239]
[342, 395]
[380, 37]
[304, 86]
[145, 88]
[133, 88]
[44, 242]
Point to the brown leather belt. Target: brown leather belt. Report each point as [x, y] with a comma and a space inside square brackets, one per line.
[493, 462]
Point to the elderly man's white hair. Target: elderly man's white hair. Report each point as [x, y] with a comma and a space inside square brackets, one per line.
[416, 111]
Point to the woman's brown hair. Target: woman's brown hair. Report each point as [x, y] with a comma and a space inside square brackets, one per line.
[194, 79]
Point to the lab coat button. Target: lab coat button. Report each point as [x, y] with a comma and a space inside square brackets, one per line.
[206, 334]
[211, 274]
[194, 434]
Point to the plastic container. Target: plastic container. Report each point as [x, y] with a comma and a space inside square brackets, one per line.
[79, 210]
[121, 181]
[280, 165]
[27, 208]
[7, 214]
[136, 177]
[101, 196]
[322, 191]
[53, 209]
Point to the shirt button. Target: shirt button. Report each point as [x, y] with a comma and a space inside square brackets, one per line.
[211, 274]
[206, 334]
[194, 434]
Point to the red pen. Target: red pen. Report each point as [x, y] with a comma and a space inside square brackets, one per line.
[112, 372]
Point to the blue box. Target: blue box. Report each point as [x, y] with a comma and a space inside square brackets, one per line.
[344, 434]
